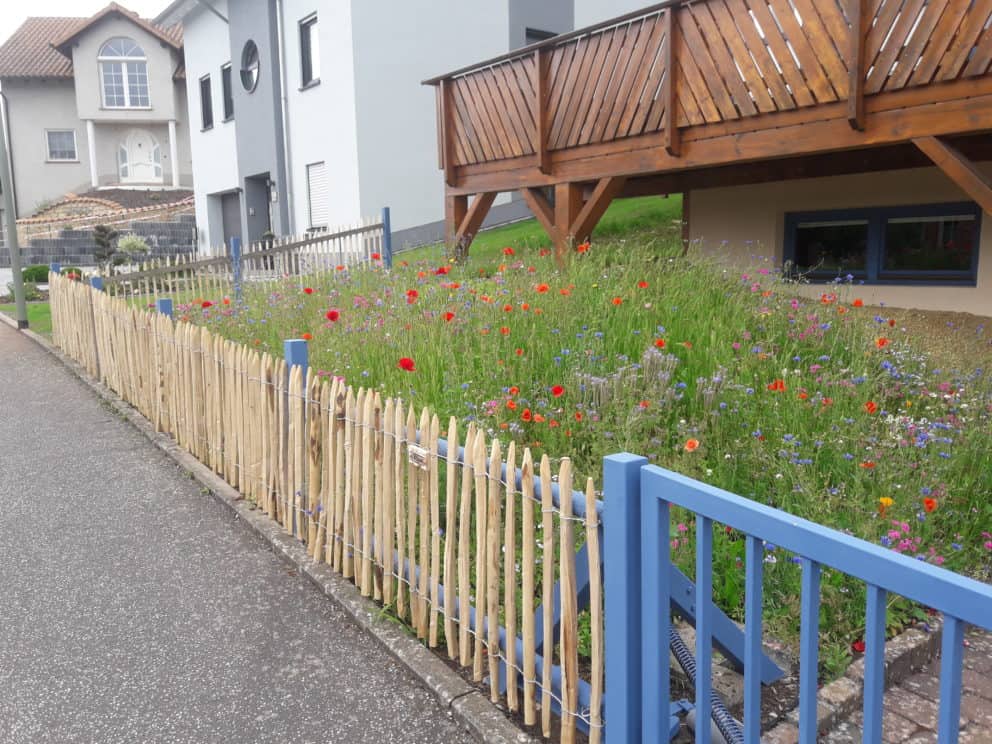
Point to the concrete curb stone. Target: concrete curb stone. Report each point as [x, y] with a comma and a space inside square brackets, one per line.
[468, 705]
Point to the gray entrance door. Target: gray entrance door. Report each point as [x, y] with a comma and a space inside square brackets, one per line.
[230, 205]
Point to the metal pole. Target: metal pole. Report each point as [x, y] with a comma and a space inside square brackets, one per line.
[10, 220]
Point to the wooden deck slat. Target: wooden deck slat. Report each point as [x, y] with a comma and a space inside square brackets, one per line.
[480, 120]
[520, 73]
[637, 68]
[836, 24]
[467, 139]
[924, 35]
[463, 95]
[885, 15]
[651, 95]
[596, 81]
[801, 92]
[570, 91]
[485, 98]
[739, 52]
[606, 54]
[556, 90]
[776, 83]
[581, 91]
[709, 77]
[939, 38]
[816, 78]
[497, 106]
[646, 84]
[521, 96]
[722, 59]
[954, 58]
[979, 62]
[818, 38]
[511, 94]
[690, 78]
[623, 48]
[890, 52]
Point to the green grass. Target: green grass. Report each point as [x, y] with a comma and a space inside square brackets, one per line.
[624, 217]
[39, 316]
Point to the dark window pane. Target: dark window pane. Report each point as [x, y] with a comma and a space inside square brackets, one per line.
[206, 104]
[943, 243]
[832, 248]
[309, 61]
[225, 78]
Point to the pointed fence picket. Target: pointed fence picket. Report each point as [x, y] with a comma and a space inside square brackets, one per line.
[442, 527]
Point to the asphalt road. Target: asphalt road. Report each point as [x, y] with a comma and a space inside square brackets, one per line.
[133, 608]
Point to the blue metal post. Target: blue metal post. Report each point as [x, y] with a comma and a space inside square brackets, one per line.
[656, 590]
[754, 557]
[164, 306]
[236, 266]
[297, 354]
[809, 650]
[874, 664]
[96, 282]
[621, 592]
[951, 660]
[704, 628]
[387, 240]
[55, 267]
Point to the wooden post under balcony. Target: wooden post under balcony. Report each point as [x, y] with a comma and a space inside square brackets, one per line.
[670, 86]
[856, 87]
[447, 133]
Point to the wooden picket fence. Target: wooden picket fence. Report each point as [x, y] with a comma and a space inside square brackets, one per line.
[473, 546]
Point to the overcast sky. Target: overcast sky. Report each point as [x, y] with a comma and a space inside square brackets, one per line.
[13, 12]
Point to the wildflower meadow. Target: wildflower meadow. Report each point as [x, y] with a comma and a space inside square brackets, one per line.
[818, 405]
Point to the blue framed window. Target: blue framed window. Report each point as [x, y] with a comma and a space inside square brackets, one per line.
[926, 244]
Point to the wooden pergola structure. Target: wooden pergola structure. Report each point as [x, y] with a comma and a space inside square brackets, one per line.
[685, 95]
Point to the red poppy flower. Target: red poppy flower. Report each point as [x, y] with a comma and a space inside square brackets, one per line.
[867, 464]
[406, 364]
[617, 300]
[828, 299]
[511, 405]
[557, 391]
[542, 288]
[525, 307]
[659, 343]
[544, 252]
[691, 445]
[508, 251]
[307, 337]
[507, 308]
[308, 290]
[870, 406]
[442, 270]
[642, 284]
[644, 403]
[929, 505]
[449, 316]
[526, 415]
[564, 292]
[553, 424]
[226, 300]
[538, 418]
[411, 296]
[578, 415]
[332, 315]
[858, 647]
[858, 303]
[514, 390]
[376, 256]
[206, 303]
[518, 352]
[777, 386]
[504, 330]
[687, 344]
[340, 267]
[892, 322]
[882, 342]
[582, 247]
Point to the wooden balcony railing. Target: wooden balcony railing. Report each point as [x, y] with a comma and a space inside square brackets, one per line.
[709, 62]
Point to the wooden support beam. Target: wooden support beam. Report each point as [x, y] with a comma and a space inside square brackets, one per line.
[857, 71]
[471, 222]
[686, 228]
[447, 133]
[607, 189]
[568, 204]
[541, 83]
[542, 209]
[455, 209]
[959, 169]
[669, 91]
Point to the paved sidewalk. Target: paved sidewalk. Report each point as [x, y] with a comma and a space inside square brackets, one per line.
[133, 608]
[910, 715]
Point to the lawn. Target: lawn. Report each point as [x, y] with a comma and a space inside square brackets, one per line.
[825, 408]
[39, 316]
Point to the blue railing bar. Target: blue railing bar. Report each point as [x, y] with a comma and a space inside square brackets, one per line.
[704, 626]
[754, 555]
[622, 596]
[874, 664]
[951, 661]
[809, 650]
[655, 614]
[578, 497]
[964, 598]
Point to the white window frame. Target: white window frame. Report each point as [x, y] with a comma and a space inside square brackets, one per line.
[121, 63]
[48, 147]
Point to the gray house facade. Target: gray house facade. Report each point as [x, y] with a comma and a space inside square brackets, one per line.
[94, 102]
[309, 114]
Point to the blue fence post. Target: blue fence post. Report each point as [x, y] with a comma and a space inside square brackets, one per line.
[622, 596]
[656, 591]
[97, 283]
[164, 305]
[55, 267]
[297, 354]
[387, 240]
[236, 266]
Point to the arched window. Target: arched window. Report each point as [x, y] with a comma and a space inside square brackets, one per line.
[124, 72]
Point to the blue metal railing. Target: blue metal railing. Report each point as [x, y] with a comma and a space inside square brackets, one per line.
[636, 515]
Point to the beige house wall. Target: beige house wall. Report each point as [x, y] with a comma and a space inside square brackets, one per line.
[748, 222]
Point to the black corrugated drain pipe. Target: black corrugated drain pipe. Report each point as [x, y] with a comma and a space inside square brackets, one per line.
[726, 724]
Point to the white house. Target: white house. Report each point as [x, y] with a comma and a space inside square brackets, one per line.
[93, 102]
[310, 113]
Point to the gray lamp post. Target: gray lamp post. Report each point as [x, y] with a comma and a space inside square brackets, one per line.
[10, 220]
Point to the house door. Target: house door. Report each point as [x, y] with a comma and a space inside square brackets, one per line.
[140, 158]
